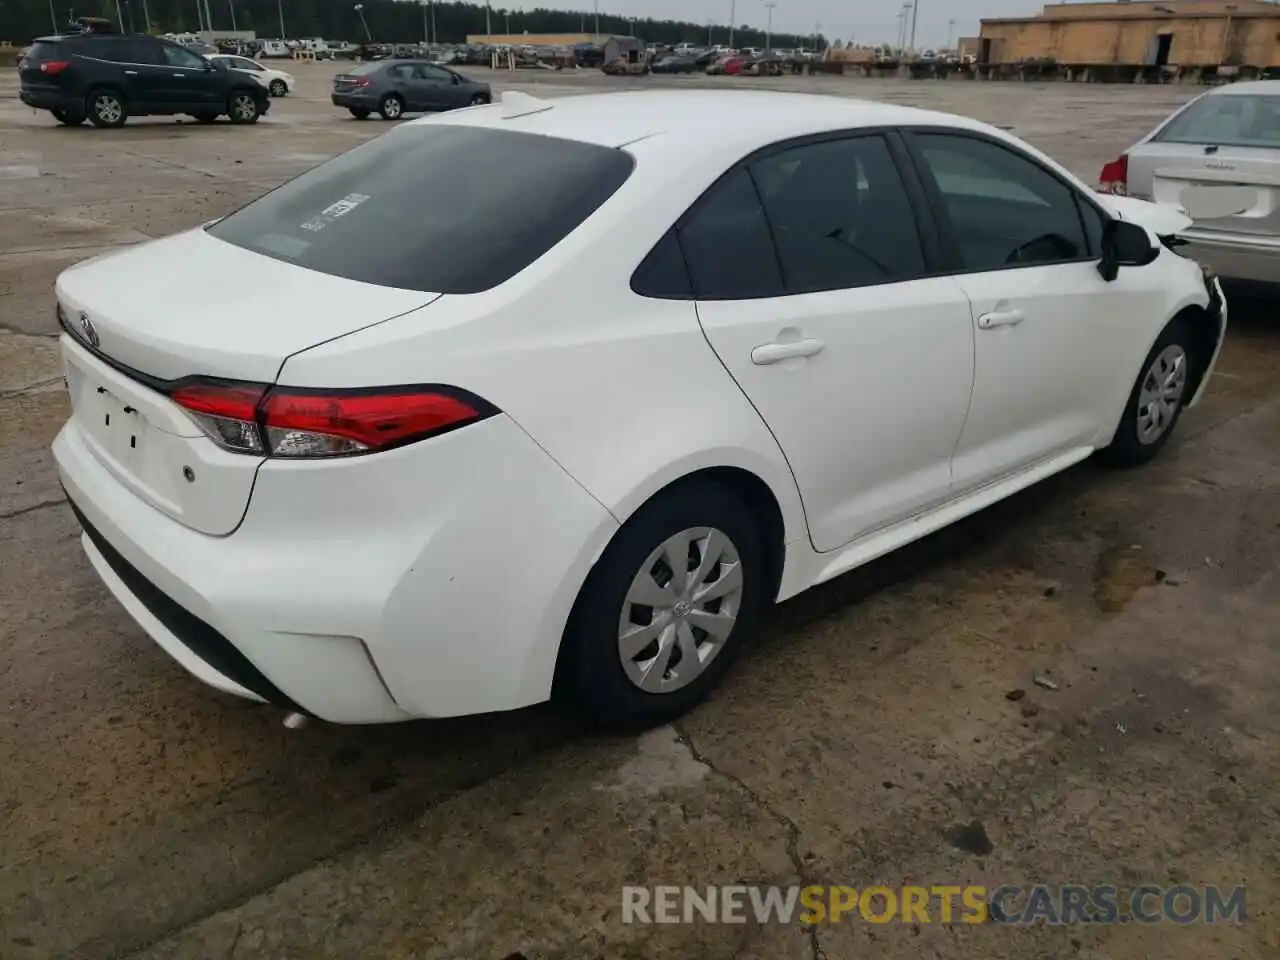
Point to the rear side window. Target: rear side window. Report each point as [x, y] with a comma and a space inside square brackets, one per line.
[1228, 120]
[727, 244]
[42, 51]
[364, 69]
[443, 209]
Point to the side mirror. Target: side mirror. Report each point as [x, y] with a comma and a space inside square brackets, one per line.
[455, 79]
[1124, 244]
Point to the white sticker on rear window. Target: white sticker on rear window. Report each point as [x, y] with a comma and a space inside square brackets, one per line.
[334, 211]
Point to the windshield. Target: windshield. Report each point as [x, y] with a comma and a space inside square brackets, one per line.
[1229, 120]
[434, 208]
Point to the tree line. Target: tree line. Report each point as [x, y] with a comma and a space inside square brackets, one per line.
[389, 21]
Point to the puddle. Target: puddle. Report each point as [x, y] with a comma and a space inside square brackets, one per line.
[1119, 573]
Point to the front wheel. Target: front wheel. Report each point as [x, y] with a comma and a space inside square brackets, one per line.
[1156, 402]
[391, 107]
[242, 107]
[278, 88]
[667, 608]
[107, 109]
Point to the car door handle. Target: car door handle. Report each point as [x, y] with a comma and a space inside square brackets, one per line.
[1000, 318]
[179, 75]
[777, 352]
[131, 73]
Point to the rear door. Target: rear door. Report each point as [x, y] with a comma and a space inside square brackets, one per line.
[812, 282]
[1222, 151]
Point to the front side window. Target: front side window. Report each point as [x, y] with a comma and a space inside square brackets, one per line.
[443, 209]
[1227, 120]
[240, 63]
[1005, 210]
[425, 71]
[840, 215]
[176, 56]
[727, 244]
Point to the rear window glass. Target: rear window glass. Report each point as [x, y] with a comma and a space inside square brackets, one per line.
[1228, 120]
[443, 209]
[364, 68]
[42, 50]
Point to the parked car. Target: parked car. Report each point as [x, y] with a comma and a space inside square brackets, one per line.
[1218, 159]
[108, 78]
[674, 65]
[728, 65]
[274, 50]
[277, 82]
[396, 87]
[348, 483]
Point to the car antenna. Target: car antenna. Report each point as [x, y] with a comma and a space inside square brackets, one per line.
[517, 104]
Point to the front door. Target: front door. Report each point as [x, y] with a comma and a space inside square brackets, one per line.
[811, 284]
[1045, 322]
[434, 87]
[192, 82]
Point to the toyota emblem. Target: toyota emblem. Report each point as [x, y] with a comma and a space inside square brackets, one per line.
[89, 330]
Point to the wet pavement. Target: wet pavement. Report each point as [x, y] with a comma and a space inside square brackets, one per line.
[142, 814]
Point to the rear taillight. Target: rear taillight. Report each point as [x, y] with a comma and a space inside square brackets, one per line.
[303, 423]
[1114, 177]
[54, 66]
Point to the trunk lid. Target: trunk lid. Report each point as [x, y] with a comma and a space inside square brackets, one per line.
[192, 305]
[1164, 221]
[1222, 189]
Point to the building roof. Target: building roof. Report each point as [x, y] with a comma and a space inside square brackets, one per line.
[1147, 9]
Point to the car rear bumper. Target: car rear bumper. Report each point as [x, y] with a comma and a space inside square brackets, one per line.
[432, 580]
[1235, 257]
[354, 100]
[45, 99]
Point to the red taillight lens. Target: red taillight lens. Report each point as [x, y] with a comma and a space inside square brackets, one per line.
[1114, 177]
[54, 66]
[307, 423]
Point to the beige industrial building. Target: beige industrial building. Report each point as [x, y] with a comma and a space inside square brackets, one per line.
[1173, 34]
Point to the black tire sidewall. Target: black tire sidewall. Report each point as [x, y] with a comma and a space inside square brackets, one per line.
[1125, 448]
[231, 109]
[589, 656]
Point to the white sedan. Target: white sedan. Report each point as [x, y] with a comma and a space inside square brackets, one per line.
[277, 82]
[581, 426]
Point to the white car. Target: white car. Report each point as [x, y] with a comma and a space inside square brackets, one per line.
[277, 82]
[584, 424]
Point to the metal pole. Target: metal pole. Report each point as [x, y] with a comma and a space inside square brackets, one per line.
[768, 27]
[232, 5]
[488, 19]
[709, 27]
[119, 16]
[435, 34]
[280, 10]
[915, 18]
[597, 10]
[53, 17]
[146, 15]
[951, 33]
[208, 16]
[733, 15]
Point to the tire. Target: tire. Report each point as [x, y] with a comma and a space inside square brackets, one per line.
[605, 680]
[205, 117]
[278, 88]
[242, 107]
[106, 108]
[71, 118]
[479, 100]
[360, 113]
[1150, 418]
[391, 107]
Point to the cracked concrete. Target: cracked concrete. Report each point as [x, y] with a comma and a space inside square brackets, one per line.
[145, 816]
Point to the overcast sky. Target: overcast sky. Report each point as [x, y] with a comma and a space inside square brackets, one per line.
[867, 21]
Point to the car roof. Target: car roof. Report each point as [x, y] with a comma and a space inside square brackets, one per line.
[1246, 88]
[745, 118]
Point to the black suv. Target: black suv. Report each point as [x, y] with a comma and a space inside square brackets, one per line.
[107, 78]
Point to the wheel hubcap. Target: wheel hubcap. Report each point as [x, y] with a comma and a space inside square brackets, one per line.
[680, 610]
[108, 109]
[244, 107]
[1161, 393]
[393, 108]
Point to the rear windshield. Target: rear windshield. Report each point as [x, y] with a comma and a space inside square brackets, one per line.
[434, 208]
[1228, 120]
[361, 69]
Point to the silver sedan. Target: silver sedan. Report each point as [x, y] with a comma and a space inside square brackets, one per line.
[1217, 159]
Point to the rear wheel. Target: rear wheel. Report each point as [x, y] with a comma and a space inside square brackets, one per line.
[391, 107]
[360, 113]
[72, 118]
[242, 107]
[479, 99]
[107, 108]
[1155, 404]
[278, 88]
[667, 608]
